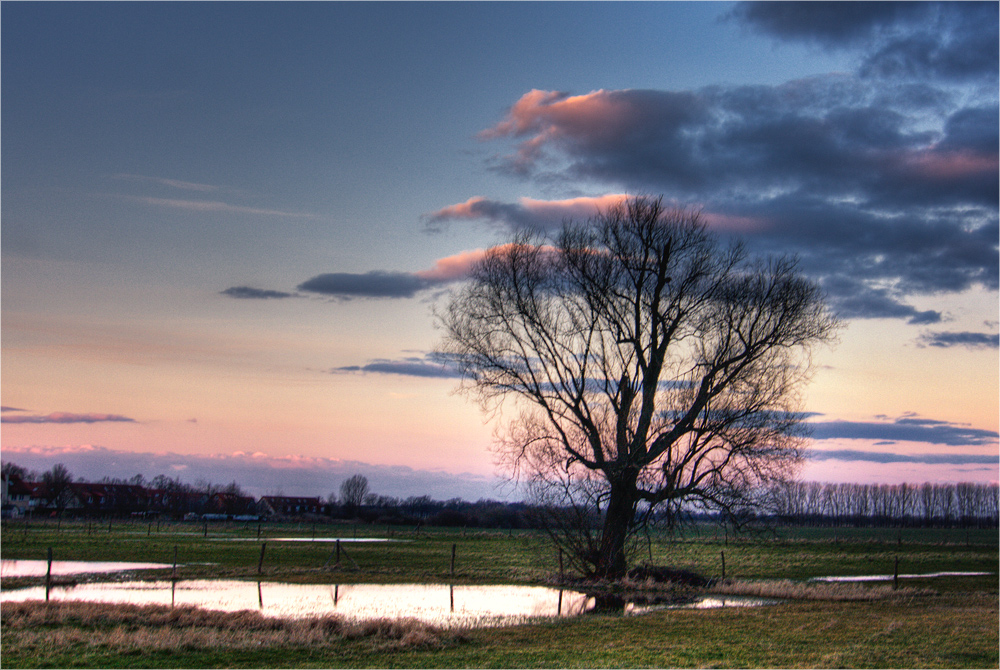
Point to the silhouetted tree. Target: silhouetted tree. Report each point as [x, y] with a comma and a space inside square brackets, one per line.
[57, 483]
[352, 493]
[651, 365]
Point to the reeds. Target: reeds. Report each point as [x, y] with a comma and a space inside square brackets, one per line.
[132, 628]
[831, 591]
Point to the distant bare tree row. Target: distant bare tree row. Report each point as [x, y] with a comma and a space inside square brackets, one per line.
[964, 504]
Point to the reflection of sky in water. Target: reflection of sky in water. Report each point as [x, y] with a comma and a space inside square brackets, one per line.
[358, 540]
[438, 604]
[889, 578]
[703, 603]
[19, 568]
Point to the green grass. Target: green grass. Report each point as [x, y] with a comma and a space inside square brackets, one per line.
[930, 623]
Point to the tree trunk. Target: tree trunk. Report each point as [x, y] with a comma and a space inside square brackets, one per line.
[618, 521]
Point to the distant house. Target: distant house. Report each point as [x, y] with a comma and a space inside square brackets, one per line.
[230, 504]
[108, 498]
[288, 506]
[16, 493]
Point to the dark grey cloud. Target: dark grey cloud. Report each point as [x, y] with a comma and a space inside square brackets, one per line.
[12, 409]
[904, 429]
[374, 284]
[429, 366]
[944, 40]
[871, 184]
[889, 457]
[829, 23]
[67, 417]
[960, 339]
[250, 293]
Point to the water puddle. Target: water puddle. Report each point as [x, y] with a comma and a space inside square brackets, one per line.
[306, 539]
[441, 605]
[701, 603]
[19, 568]
[889, 578]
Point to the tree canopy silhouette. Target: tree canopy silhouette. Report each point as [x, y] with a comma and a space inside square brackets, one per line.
[651, 367]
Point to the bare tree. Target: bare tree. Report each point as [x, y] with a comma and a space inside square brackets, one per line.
[651, 366]
[353, 491]
[57, 483]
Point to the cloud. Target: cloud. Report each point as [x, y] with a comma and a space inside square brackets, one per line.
[12, 409]
[526, 213]
[375, 284]
[903, 429]
[960, 339]
[945, 40]
[260, 474]
[211, 206]
[173, 183]
[874, 184]
[67, 417]
[852, 299]
[430, 366]
[250, 293]
[889, 457]
[380, 284]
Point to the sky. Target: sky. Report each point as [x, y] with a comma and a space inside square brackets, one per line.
[225, 226]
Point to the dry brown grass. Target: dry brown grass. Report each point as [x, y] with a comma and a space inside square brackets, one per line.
[125, 628]
[831, 591]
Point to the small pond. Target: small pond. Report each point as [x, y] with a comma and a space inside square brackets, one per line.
[20, 568]
[438, 604]
[889, 578]
[442, 605]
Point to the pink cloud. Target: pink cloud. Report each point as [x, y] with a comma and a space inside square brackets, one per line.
[452, 268]
[527, 212]
[548, 113]
[949, 165]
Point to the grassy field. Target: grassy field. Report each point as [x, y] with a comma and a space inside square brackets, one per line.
[947, 622]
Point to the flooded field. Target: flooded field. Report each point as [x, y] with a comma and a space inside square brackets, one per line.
[438, 604]
[19, 568]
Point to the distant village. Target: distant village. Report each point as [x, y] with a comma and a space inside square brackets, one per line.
[55, 494]
[21, 498]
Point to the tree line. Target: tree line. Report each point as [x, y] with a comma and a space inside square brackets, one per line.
[965, 504]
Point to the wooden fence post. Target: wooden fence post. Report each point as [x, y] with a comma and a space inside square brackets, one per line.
[723, 554]
[260, 563]
[48, 574]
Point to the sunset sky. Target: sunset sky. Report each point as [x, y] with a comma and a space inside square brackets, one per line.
[225, 225]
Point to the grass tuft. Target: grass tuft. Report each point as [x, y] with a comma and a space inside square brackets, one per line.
[47, 627]
[830, 591]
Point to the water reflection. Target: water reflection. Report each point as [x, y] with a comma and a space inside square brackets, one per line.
[700, 603]
[636, 603]
[889, 578]
[345, 540]
[20, 568]
[438, 604]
